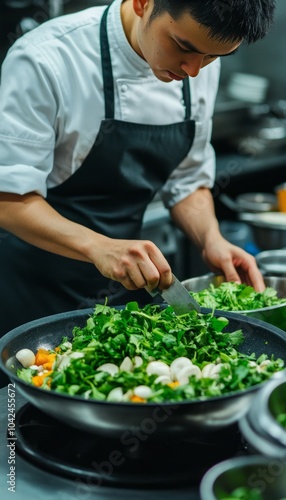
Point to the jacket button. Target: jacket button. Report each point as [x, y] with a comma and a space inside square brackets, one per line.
[124, 88]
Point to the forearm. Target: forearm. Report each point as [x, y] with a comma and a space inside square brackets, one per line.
[134, 263]
[33, 220]
[195, 215]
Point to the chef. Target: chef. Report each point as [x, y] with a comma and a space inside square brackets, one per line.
[100, 110]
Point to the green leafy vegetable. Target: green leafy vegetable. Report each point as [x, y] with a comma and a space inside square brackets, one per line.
[112, 336]
[229, 296]
[281, 418]
[244, 493]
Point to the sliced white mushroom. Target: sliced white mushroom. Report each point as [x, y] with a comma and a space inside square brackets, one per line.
[110, 368]
[158, 368]
[211, 370]
[126, 365]
[128, 395]
[26, 357]
[163, 379]
[143, 391]
[206, 371]
[215, 370]
[184, 374]
[138, 361]
[177, 365]
[115, 395]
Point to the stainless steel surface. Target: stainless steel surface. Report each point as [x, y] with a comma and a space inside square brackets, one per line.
[268, 229]
[268, 404]
[124, 420]
[275, 315]
[273, 261]
[258, 426]
[250, 202]
[178, 297]
[226, 476]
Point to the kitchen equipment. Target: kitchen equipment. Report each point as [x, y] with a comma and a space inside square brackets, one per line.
[268, 228]
[250, 202]
[275, 315]
[259, 425]
[247, 87]
[138, 461]
[270, 403]
[167, 420]
[55, 461]
[281, 196]
[178, 297]
[273, 262]
[220, 481]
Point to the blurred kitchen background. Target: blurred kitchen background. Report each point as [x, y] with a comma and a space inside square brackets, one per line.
[249, 130]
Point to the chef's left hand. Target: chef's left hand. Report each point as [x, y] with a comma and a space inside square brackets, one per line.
[235, 263]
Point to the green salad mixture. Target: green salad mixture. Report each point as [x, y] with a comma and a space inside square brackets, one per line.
[281, 419]
[230, 296]
[146, 355]
[243, 493]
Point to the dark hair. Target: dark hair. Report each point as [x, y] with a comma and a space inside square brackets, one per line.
[226, 20]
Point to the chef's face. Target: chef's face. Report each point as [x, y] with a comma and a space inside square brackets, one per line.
[174, 49]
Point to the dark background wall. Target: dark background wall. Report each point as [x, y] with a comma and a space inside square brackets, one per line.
[265, 58]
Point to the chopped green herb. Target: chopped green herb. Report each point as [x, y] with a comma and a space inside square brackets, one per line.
[111, 357]
[229, 296]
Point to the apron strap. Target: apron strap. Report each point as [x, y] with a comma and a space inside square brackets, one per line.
[187, 97]
[108, 76]
[106, 68]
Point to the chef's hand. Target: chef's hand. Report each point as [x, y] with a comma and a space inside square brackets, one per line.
[134, 263]
[232, 261]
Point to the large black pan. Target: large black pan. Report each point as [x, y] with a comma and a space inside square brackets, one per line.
[128, 421]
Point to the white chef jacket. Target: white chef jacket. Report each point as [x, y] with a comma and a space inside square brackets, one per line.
[52, 104]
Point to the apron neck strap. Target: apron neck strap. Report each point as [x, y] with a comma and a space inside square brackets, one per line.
[108, 76]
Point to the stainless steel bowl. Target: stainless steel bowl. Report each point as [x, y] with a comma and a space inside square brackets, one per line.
[260, 427]
[268, 229]
[267, 475]
[275, 315]
[273, 262]
[250, 202]
[257, 202]
[270, 402]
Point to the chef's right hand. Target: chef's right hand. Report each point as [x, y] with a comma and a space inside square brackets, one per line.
[134, 263]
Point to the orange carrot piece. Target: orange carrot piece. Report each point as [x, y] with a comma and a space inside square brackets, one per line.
[39, 379]
[137, 399]
[49, 364]
[42, 356]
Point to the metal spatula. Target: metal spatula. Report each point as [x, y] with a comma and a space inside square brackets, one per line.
[178, 297]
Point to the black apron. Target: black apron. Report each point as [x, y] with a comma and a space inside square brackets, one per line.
[127, 165]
